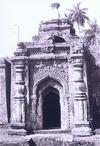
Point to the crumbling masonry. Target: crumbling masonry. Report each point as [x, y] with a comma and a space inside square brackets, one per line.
[50, 83]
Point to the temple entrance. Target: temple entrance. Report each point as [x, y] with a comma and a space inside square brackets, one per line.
[49, 105]
[51, 111]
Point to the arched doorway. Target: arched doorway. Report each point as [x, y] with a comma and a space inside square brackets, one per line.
[51, 109]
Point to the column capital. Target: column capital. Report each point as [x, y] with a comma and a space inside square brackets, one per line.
[21, 49]
[20, 54]
[19, 59]
[77, 59]
[2, 63]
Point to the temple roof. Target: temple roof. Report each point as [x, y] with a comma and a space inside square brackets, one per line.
[61, 29]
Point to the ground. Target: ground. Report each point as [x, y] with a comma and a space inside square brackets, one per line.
[47, 139]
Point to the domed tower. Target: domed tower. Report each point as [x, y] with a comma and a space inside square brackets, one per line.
[50, 90]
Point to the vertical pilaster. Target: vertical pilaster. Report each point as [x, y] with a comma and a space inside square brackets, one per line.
[18, 101]
[33, 112]
[81, 123]
[3, 96]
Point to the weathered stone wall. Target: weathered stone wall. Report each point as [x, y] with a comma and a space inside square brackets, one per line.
[4, 91]
[93, 74]
[54, 59]
[12, 86]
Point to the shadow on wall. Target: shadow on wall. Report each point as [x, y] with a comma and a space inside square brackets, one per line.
[93, 77]
[8, 88]
[31, 142]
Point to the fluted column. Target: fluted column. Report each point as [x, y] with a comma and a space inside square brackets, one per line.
[81, 123]
[18, 101]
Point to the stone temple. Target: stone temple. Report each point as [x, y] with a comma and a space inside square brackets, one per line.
[50, 83]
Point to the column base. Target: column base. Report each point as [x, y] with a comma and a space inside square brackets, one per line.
[81, 131]
[20, 132]
[97, 131]
[17, 125]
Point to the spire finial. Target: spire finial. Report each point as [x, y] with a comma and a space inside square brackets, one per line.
[56, 5]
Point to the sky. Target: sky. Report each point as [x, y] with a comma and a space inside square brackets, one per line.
[27, 15]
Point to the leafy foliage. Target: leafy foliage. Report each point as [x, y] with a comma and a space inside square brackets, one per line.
[78, 15]
[92, 35]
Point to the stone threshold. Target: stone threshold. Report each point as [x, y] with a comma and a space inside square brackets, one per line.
[51, 131]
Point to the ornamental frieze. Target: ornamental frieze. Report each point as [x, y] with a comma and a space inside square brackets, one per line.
[50, 71]
[47, 49]
[54, 63]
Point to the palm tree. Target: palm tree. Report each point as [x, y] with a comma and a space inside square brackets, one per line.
[78, 15]
[92, 40]
[92, 34]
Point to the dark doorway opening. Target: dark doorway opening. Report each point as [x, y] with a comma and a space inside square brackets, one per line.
[51, 111]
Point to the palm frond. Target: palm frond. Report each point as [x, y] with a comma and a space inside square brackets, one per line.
[78, 14]
[92, 35]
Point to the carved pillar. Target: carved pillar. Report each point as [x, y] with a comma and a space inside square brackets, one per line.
[81, 124]
[18, 101]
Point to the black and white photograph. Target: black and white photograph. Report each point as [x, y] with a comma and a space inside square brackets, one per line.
[49, 73]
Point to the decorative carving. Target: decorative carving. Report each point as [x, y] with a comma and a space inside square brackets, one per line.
[77, 61]
[56, 33]
[54, 63]
[49, 71]
[77, 51]
[80, 100]
[56, 69]
[40, 65]
[20, 89]
[77, 47]
[49, 66]
[47, 49]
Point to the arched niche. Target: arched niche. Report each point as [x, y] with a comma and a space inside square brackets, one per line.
[45, 88]
[57, 39]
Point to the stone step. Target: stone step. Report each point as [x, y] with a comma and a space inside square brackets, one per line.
[56, 140]
[51, 131]
[63, 139]
[19, 132]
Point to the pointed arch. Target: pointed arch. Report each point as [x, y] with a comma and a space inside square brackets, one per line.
[47, 86]
[48, 82]
[51, 78]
